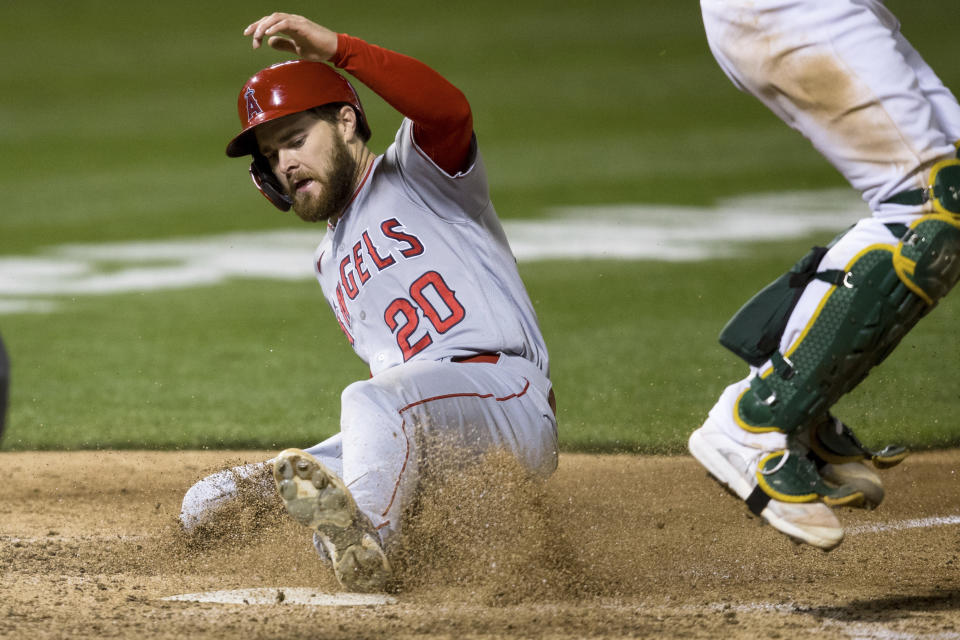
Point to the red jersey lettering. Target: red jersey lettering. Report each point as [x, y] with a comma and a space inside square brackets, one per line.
[414, 246]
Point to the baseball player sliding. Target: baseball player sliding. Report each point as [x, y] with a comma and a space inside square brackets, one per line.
[417, 271]
[841, 73]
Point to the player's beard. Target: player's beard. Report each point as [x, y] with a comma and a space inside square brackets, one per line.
[336, 187]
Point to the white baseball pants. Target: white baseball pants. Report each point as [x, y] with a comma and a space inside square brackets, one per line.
[841, 73]
[389, 424]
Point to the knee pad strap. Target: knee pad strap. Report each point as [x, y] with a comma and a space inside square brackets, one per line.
[755, 330]
[942, 190]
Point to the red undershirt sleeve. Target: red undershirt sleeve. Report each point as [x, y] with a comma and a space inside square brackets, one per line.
[443, 122]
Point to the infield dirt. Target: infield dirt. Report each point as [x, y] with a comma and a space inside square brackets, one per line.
[609, 547]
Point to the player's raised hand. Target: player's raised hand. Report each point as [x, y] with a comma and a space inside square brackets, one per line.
[304, 38]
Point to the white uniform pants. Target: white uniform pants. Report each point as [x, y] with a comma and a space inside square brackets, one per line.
[386, 421]
[841, 73]
[470, 407]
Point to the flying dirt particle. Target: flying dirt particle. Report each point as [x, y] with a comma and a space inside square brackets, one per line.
[487, 530]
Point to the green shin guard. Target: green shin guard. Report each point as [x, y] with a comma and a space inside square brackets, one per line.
[882, 294]
[857, 325]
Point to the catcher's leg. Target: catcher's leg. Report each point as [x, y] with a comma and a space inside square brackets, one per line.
[865, 293]
[777, 482]
[843, 75]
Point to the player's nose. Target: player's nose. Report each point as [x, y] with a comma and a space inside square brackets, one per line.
[286, 161]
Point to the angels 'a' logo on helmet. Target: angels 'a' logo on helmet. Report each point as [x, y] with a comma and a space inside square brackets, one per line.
[253, 109]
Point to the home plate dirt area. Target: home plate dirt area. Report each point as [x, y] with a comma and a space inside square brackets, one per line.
[611, 546]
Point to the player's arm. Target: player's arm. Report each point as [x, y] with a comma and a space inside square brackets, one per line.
[443, 121]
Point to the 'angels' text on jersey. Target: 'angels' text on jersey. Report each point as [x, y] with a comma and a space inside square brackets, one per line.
[429, 295]
[418, 266]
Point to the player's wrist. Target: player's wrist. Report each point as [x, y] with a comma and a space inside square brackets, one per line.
[342, 54]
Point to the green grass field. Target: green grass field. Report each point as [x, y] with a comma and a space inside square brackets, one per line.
[114, 119]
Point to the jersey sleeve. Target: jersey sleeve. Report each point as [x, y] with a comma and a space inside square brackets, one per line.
[463, 195]
[443, 121]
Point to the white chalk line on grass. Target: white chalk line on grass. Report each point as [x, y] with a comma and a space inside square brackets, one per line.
[30, 284]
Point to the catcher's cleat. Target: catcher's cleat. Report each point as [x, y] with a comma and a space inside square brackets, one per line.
[782, 488]
[842, 459]
[318, 499]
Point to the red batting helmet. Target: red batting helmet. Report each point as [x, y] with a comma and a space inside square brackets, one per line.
[287, 88]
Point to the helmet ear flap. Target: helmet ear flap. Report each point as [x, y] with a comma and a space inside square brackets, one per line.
[264, 179]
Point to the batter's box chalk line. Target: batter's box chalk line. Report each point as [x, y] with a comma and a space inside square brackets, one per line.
[285, 595]
[903, 525]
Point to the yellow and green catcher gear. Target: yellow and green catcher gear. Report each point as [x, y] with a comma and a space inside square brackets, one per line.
[879, 296]
[784, 476]
[942, 190]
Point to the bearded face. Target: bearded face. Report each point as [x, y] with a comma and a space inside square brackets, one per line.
[312, 163]
[335, 187]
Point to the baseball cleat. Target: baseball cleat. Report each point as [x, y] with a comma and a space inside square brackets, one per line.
[842, 459]
[858, 475]
[316, 498]
[784, 489]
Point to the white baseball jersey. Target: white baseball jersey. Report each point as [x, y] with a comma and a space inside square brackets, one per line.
[418, 266]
